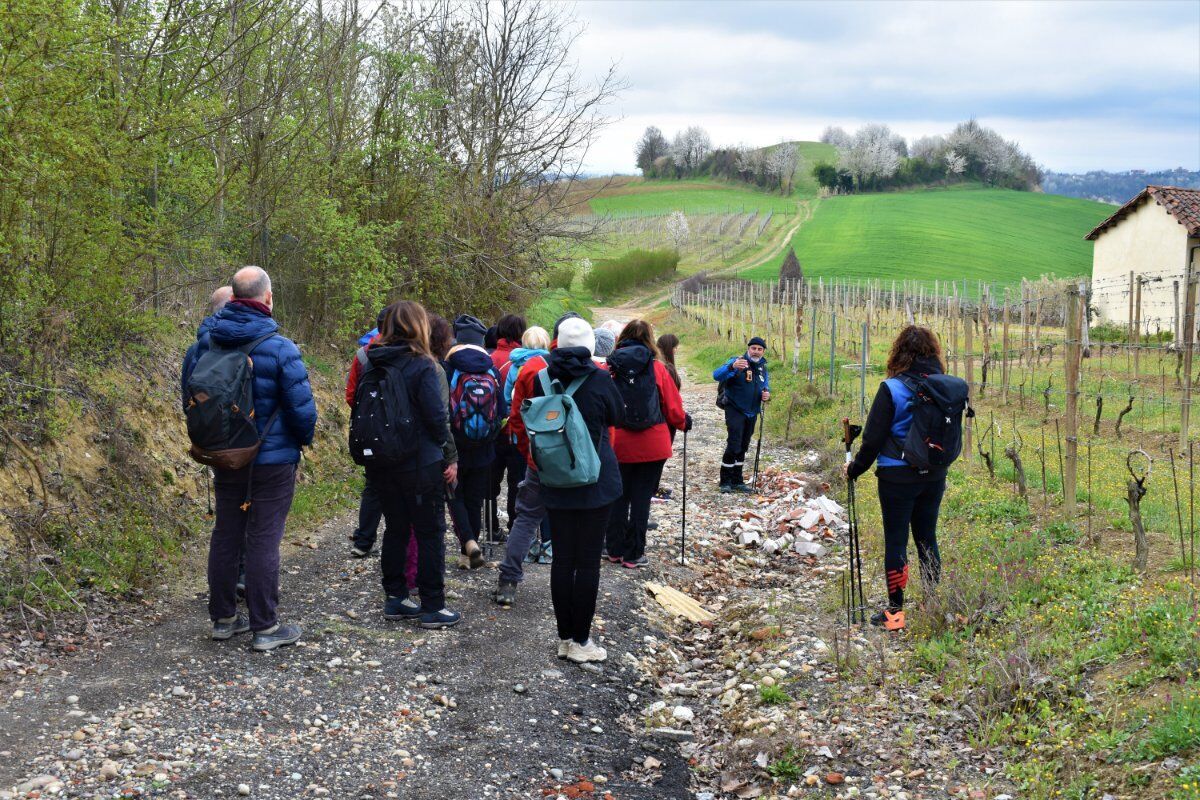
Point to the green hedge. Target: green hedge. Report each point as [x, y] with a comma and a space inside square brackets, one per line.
[632, 269]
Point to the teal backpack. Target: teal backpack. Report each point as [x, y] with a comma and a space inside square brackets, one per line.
[559, 442]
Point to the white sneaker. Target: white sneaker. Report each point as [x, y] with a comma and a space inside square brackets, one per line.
[582, 653]
[564, 647]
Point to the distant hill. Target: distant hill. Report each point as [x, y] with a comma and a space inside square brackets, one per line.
[997, 235]
[1115, 187]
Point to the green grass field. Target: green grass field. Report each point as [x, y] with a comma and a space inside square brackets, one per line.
[993, 235]
[691, 197]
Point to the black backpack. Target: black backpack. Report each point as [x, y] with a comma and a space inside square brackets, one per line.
[638, 386]
[383, 429]
[220, 407]
[934, 437]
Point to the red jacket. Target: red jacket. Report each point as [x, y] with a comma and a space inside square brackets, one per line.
[502, 353]
[652, 444]
[355, 371]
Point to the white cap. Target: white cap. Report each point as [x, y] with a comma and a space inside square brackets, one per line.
[576, 333]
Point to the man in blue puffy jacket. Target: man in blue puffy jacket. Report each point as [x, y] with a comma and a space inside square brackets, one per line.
[280, 385]
[745, 387]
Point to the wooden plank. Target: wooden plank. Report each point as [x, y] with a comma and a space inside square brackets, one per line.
[679, 603]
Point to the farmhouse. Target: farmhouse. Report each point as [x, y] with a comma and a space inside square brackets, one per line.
[1150, 238]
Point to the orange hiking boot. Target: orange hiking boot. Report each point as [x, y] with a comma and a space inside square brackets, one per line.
[889, 620]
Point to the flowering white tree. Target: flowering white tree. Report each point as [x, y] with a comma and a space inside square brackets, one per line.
[837, 137]
[874, 152]
[955, 163]
[781, 165]
[677, 229]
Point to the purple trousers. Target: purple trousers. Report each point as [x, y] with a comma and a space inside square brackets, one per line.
[256, 534]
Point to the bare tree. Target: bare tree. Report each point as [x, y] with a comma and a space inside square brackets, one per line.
[837, 137]
[649, 148]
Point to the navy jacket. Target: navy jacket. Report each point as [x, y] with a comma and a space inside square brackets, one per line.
[190, 357]
[280, 381]
[425, 381]
[471, 359]
[744, 394]
[600, 403]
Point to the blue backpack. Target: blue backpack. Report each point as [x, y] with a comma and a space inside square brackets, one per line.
[559, 442]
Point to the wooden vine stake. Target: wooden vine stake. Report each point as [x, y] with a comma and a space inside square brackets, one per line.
[1073, 360]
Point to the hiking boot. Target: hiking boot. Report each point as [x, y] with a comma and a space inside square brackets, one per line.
[638, 563]
[505, 594]
[276, 636]
[663, 494]
[227, 628]
[888, 619]
[726, 488]
[436, 620]
[651, 526]
[583, 653]
[547, 554]
[741, 487]
[474, 554]
[564, 647]
[401, 608]
[360, 550]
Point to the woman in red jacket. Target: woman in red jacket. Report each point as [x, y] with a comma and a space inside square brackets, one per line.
[653, 408]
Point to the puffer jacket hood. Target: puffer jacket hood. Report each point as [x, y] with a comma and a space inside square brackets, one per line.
[520, 355]
[569, 363]
[630, 355]
[280, 381]
[925, 366]
[469, 358]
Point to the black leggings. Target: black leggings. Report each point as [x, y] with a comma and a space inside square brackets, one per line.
[631, 512]
[575, 574]
[905, 506]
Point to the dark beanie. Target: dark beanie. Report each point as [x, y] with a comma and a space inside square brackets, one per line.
[561, 320]
[469, 330]
[757, 340]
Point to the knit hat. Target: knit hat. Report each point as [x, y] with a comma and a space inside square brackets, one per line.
[575, 332]
[469, 330]
[561, 320]
[757, 340]
[605, 342]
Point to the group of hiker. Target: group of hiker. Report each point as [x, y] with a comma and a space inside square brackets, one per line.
[570, 428]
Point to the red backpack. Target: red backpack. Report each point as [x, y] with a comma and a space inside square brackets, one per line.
[475, 406]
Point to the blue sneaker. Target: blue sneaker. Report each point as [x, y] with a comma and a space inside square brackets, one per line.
[401, 608]
[436, 620]
[278, 636]
[223, 629]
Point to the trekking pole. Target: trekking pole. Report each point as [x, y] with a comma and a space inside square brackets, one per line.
[762, 422]
[849, 434]
[683, 506]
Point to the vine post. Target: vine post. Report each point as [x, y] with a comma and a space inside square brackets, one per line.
[1073, 359]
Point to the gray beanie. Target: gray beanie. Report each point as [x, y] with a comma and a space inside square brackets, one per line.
[605, 342]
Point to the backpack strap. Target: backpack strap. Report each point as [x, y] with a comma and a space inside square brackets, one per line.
[249, 347]
[546, 382]
[575, 384]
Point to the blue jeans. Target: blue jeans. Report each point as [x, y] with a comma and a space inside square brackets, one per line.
[530, 514]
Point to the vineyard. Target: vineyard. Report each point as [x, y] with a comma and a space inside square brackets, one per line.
[1064, 626]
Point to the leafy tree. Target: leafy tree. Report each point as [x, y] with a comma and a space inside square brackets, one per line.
[826, 175]
[649, 148]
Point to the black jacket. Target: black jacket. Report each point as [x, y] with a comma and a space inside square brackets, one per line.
[878, 430]
[425, 382]
[601, 406]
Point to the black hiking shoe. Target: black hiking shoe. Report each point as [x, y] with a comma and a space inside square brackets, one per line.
[223, 629]
[278, 636]
[741, 487]
[401, 608]
[505, 594]
[437, 620]
[726, 488]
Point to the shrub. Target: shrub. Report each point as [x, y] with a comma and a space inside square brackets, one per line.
[773, 695]
[632, 269]
[561, 277]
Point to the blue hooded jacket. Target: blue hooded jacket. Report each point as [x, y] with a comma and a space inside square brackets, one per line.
[192, 354]
[280, 380]
[744, 394]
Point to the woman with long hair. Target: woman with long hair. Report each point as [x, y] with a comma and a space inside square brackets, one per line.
[653, 407]
[413, 493]
[667, 344]
[909, 499]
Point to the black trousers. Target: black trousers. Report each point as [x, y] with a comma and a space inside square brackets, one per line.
[251, 536]
[466, 507]
[905, 507]
[631, 512]
[508, 461]
[414, 505]
[739, 432]
[575, 574]
[369, 514]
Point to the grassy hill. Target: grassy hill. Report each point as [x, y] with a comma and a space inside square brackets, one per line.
[639, 196]
[969, 231]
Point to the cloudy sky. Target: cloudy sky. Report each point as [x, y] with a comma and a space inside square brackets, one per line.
[1081, 85]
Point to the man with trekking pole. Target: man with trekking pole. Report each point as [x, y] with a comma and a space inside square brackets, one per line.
[743, 389]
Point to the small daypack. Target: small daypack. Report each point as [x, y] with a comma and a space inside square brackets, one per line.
[475, 406]
[934, 438]
[220, 407]
[383, 429]
[638, 387]
[559, 442]
[722, 400]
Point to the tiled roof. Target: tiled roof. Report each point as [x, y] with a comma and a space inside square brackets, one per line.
[1183, 204]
